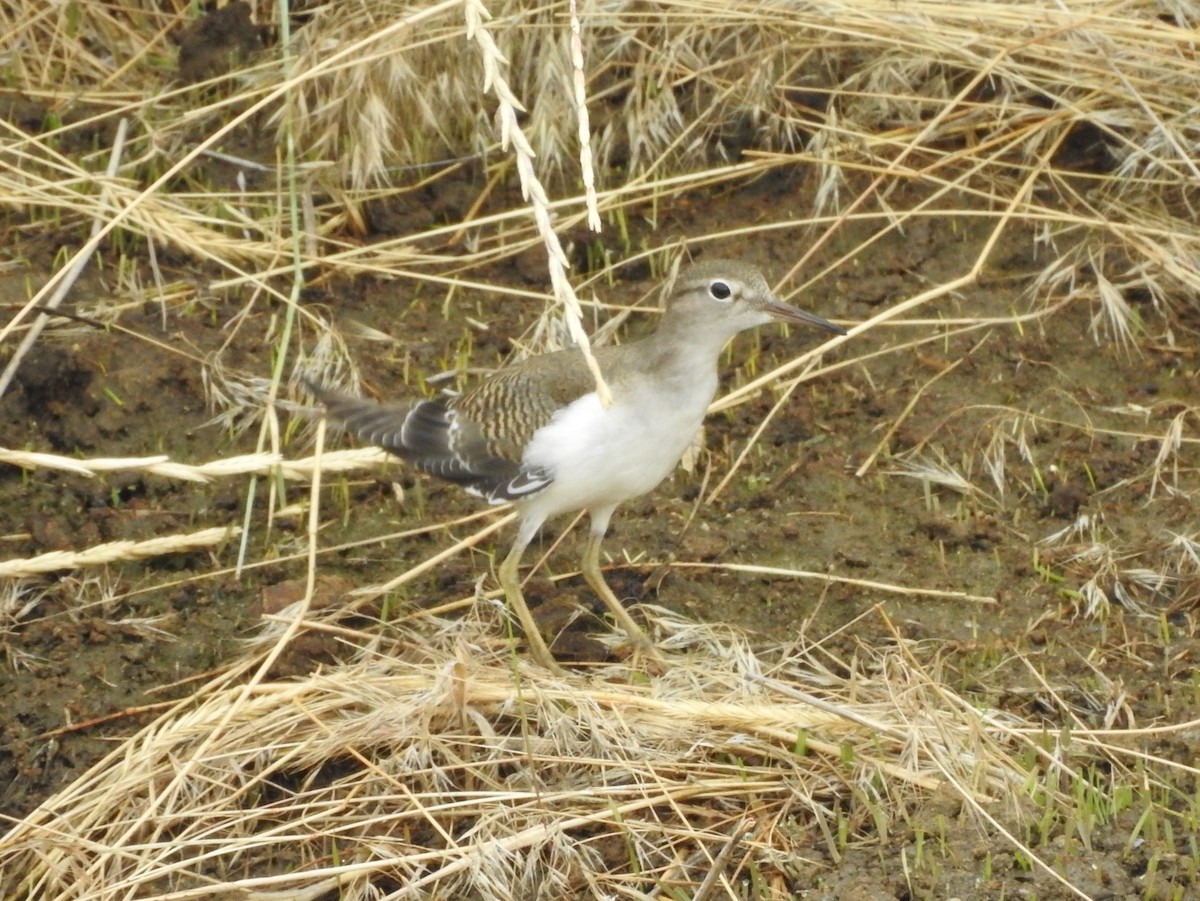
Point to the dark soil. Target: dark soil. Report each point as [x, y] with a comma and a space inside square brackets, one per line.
[95, 651]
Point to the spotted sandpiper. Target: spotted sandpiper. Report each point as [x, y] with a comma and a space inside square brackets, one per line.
[537, 433]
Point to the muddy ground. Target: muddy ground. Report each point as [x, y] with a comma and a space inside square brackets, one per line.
[88, 655]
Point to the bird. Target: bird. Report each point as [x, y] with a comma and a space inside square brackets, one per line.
[539, 435]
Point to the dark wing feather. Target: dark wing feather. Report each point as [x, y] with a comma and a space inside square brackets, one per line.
[439, 438]
[517, 401]
[476, 440]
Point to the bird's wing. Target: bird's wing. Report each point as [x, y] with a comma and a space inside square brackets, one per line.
[497, 419]
[517, 401]
[424, 434]
[475, 440]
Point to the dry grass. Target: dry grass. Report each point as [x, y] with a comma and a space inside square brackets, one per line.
[1076, 120]
[430, 766]
[433, 768]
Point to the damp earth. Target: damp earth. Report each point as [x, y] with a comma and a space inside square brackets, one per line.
[935, 485]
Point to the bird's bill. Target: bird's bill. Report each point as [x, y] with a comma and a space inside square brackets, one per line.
[785, 312]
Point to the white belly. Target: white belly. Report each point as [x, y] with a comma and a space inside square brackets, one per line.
[603, 457]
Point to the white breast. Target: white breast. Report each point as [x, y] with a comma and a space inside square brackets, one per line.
[602, 457]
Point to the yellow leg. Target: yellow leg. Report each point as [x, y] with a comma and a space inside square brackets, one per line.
[595, 578]
[510, 581]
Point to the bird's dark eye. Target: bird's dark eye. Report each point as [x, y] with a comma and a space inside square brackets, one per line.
[720, 290]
